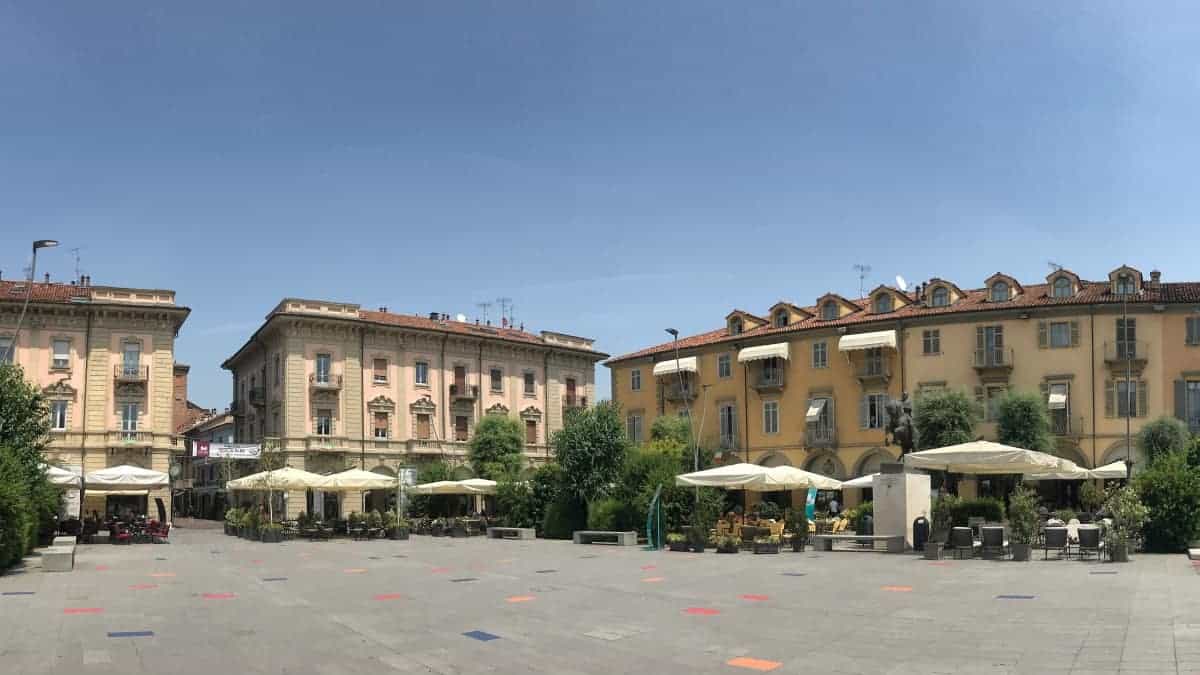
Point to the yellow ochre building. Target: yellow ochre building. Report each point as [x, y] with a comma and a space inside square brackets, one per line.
[806, 385]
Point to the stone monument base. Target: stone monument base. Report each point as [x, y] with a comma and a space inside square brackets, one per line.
[899, 499]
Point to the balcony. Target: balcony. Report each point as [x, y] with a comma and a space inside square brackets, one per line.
[729, 443]
[429, 446]
[674, 391]
[257, 396]
[993, 362]
[316, 443]
[1121, 354]
[131, 439]
[324, 382]
[1064, 425]
[131, 373]
[573, 402]
[464, 392]
[873, 371]
[769, 380]
[238, 408]
[820, 436]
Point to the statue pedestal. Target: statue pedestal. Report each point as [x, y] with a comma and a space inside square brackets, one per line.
[899, 499]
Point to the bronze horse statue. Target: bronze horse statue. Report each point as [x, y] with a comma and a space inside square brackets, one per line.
[900, 429]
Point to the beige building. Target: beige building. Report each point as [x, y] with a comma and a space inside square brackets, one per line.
[104, 358]
[336, 386]
[806, 385]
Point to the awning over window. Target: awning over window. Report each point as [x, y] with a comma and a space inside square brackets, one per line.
[814, 410]
[883, 338]
[1058, 401]
[686, 365]
[779, 350]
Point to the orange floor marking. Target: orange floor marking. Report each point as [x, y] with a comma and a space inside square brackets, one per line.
[161, 575]
[83, 610]
[356, 570]
[898, 589]
[652, 580]
[756, 598]
[389, 596]
[520, 598]
[753, 664]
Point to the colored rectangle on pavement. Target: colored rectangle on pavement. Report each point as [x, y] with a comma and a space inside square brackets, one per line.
[481, 636]
[18, 593]
[275, 579]
[462, 579]
[389, 596]
[356, 570]
[130, 633]
[761, 665]
[702, 611]
[142, 587]
[1015, 597]
[755, 598]
[544, 571]
[794, 574]
[440, 570]
[218, 596]
[652, 580]
[520, 598]
[83, 610]
[163, 575]
[898, 589]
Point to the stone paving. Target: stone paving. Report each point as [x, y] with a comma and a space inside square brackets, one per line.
[216, 604]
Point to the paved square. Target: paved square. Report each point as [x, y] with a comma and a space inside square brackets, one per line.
[299, 612]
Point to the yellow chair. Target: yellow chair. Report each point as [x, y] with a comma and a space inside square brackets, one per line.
[776, 529]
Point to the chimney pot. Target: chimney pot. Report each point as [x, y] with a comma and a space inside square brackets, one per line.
[1155, 276]
[47, 277]
[433, 316]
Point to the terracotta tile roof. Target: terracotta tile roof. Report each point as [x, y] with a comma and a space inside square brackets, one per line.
[457, 327]
[16, 290]
[975, 300]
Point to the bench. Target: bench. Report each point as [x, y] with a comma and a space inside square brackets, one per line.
[605, 537]
[895, 542]
[58, 559]
[511, 533]
[64, 540]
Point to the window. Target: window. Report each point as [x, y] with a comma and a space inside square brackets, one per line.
[995, 394]
[278, 371]
[999, 291]
[6, 350]
[633, 427]
[820, 356]
[873, 413]
[781, 319]
[530, 432]
[1062, 288]
[931, 342]
[129, 417]
[323, 363]
[735, 325]
[772, 371]
[1060, 334]
[1193, 331]
[460, 378]
[1126, 285]
[497, 378]
[423, 427]
[62, 353]
[131, 358]
[421, 373]
[941, 297]
[873, 361]
[1127, 338]
[724, 366]
[819, 420]
[1192, 392]
[381, 425]
[461, 427]
[883, 303]
[727, 419]
[989, 346]
[829, 311]
[1059, 402]
[530, 385]
[635, 379]
[324, 422]
[58, 415]
[571, 391]
[771, 417]
[1127, 398]
[380, 368]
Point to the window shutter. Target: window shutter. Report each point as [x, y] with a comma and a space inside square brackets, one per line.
[999, 332]
[1043, 339]
[979, 339]
[1074, 333]
[1110, 398]
[864, 412]
[1181, 400]
[1045, 387]
[979, 395]
[1143, 398]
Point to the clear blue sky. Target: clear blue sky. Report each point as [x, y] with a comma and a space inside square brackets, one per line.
[615, 167]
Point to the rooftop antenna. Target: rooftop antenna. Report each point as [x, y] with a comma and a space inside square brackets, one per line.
[901, 283]
[1054, 266]
[484, 307]
[75, 252]
[863, 271]
[505, 306]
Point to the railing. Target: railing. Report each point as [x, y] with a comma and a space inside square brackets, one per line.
[317, 442]
[769, 379]
[131, 438]
[820, 436]
[871, 369]
[464, 391]
[430, 446]
[1121, 351]
[1062, 425]
[993, 358]
[674, 392]
[131, 373]
[729, 443]
[329, 382]
[257, 396]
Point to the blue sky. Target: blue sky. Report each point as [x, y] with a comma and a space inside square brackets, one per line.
[615, 167]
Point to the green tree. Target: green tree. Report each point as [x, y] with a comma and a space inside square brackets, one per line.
[430, 472]
[945, 418]
[271, 458]
[496, 448]
[1170, 490]
[673, 429]
[591, 449]
[1023, 421]
[28, 502]
[1163, 436]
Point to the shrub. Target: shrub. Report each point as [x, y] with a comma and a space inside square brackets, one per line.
[945, 418]
[988, 508]
[605, 514]
[15, 520]
[1163, 436]
[1129, 515]
[563, 517]
[676, 538]
[942, 516]
[1024, 422]
[374, 520]
[1065, 515]
[1170, 490]
[766, 510]
[855, 514]
[1023, 517]
[1091, 497]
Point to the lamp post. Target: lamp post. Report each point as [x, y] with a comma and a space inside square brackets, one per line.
[1124, 337]
[686, 407]
[40, 243]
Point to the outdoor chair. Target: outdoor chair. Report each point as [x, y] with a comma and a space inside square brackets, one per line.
[1056, 540]
[975, 522]
[994, 540]
[1090, 542]
[1073, 531]
[777, 529]
[159, 532]
[962, 540]
[121, 534]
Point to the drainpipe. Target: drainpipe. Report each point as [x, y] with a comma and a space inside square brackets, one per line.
[444, 395]
[746, 426]
[479, 398]
[1092, 372]
[900, 343]
[546, 401]
[362, 401]
[87, 360]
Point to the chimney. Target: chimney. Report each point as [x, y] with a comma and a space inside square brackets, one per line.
[383, 309]
[1155, 279]
[47, 277]
[433, 316]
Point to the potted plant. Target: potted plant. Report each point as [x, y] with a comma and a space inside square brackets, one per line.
[800, 531]
[728, 543]
[270, 533]
[1023, 522]
[768, 544]
[1128, 514]
[249, 524]
[677, 542]
[374, 524]
[438, 527]
[696, 537]
[398, 528]
[1065, 515]
[233, 517]
[1091, 497]
[458, 529]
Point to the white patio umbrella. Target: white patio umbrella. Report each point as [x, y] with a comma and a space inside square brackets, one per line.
[1074, 472]
[730, 476]
[986, 457]
[860, 482]
[286, 478]
[473, 486]
[1117, 469]
[61, 477]
[125, 477]
[482, 486]
[790, 478]
[357, 479]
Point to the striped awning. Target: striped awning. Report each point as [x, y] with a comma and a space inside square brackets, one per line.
[778, 350]
[814, 411]
[685, 365]
[883, 338]
[1058, 401]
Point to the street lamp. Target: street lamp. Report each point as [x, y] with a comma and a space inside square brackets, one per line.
[686, 407]
[40, 243]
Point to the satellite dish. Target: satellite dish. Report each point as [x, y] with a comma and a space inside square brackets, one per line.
[901, 283]
[461, 318]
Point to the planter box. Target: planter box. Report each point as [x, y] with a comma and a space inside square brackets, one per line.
[934, 550]
[731, 549]
[1021, 552]
[458, 532]
[798, 545]
[696, 548]
[1119, 554]
[271, 536]
[399, 534]
[765, 548]
[437, 531]
[680, 546]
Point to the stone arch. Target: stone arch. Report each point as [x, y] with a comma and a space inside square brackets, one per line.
[384, 470]
[1118, 451]
[774, 459]
[1072, 452]
[871, 460]
[461, 472]
[826, 463]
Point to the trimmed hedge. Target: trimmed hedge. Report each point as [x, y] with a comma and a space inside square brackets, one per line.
[988, 508]
[563, 517]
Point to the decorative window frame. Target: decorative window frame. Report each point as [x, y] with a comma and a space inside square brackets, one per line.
[526, 372]
[497, 410]
[70, 353]
[422, 406]
[500, 368]
[427, 384]
[387, 369]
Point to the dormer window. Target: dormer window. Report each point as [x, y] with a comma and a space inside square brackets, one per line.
[735, 326]
[999, 291]
[883, 303]
[781, 319]
[1062, 288]
[940, 297]
[1126, 285]
[829, 311]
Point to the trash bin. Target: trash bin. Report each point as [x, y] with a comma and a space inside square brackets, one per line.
[866, 525]
[920, 533]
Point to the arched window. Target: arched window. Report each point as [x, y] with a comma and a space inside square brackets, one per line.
[829, 311]
[941, 297]
[883, 303]
[1000, 291]
[781, 319]
[735, 325]
[1062, 287]
[1125, 285]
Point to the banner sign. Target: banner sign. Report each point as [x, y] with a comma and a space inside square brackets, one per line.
[810, 504]
[226, 450]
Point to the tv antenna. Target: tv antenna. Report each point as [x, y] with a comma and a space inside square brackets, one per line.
[75, 252]
[1054, 266]
[505, 308]
[484, 307]
[901, 283]
[863, 271]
